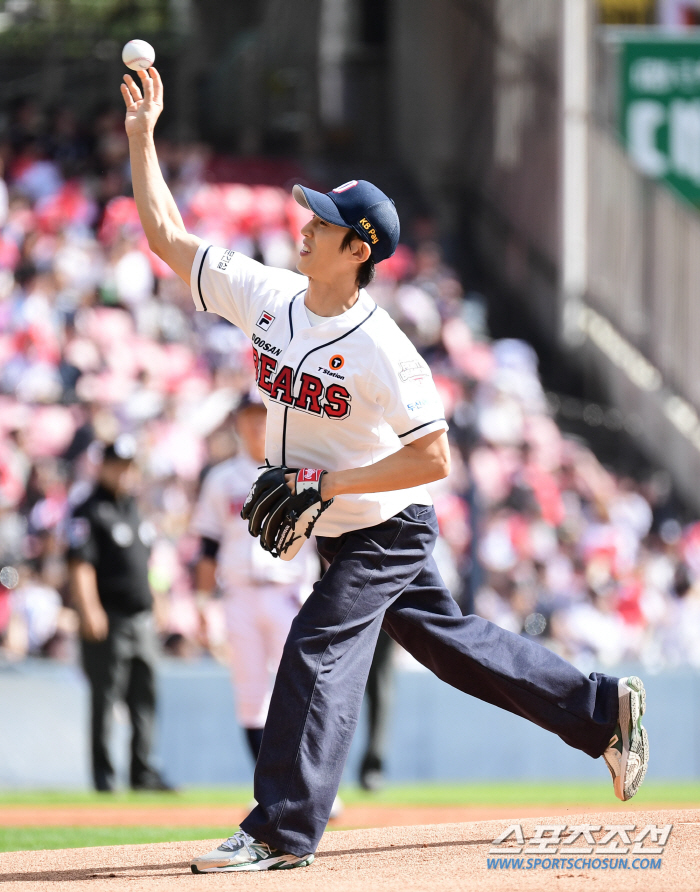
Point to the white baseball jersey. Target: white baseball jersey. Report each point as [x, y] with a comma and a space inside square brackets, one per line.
[342, 394]
[241, 562]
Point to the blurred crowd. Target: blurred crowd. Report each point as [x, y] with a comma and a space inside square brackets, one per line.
[97, 337]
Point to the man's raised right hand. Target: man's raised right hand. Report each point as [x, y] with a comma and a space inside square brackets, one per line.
[142, 111]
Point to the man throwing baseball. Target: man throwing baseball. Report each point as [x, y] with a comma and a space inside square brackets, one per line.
[355, 430]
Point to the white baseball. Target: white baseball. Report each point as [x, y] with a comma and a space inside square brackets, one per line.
[138, 55]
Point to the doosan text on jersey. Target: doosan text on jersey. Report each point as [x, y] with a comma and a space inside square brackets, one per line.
[341, 394]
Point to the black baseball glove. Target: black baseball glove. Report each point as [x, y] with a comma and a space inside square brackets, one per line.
[284, 519]
[267, 490]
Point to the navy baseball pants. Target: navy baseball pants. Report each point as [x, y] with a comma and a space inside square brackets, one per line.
[386, 575]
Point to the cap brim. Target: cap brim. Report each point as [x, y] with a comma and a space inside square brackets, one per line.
[321, 205]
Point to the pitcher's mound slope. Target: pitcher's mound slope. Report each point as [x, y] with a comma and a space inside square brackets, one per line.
[435, 858]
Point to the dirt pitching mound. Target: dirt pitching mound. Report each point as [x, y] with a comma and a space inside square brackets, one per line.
[395, 859]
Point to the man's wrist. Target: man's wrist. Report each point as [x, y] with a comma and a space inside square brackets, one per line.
[141, 138]
[330, 485]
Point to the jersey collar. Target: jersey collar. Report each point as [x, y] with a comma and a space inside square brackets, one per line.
[349, 319]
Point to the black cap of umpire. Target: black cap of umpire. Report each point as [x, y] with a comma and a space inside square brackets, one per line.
[121, 449]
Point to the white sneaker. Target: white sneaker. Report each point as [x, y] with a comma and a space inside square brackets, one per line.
[627, 755]
[242, 852]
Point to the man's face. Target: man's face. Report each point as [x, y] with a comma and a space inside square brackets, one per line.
[120, 477]
[320, 256]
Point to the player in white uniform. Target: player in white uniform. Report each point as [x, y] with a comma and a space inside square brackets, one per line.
[262, 595]
[353, 407]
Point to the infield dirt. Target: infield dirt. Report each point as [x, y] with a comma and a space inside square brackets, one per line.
[391, 859]
[176, 815]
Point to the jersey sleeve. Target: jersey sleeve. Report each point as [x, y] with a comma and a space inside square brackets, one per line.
[406, 390]
[236, 287]
[209, 515]
[80, 536]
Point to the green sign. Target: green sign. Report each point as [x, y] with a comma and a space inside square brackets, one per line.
[660, 108]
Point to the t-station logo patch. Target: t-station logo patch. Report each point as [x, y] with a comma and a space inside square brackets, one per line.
[265, 321]
[336, 362]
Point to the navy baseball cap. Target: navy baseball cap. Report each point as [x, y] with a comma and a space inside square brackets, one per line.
[357, 205]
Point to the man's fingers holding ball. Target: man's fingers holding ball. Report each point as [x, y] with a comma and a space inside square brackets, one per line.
[132, 87]
[151, 83]
[157, 84]
[147, 83]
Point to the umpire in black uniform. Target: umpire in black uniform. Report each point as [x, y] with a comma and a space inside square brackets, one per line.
[109, 546]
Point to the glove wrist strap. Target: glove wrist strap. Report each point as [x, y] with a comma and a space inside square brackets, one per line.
[310, 478]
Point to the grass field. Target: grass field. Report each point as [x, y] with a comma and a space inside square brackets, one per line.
[583, 795]
[24, 839]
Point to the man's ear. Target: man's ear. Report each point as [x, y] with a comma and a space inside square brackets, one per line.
[361, 251]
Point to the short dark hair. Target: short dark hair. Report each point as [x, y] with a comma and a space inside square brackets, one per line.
[365, 273]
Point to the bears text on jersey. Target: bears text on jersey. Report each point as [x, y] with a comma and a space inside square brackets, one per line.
[315, 397]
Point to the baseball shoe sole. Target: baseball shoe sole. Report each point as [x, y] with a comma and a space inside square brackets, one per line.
[627, 755]
[242, 852]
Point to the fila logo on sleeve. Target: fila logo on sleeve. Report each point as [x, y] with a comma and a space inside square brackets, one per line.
[265, 321]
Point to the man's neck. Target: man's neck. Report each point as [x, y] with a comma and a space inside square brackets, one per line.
[326, 299]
